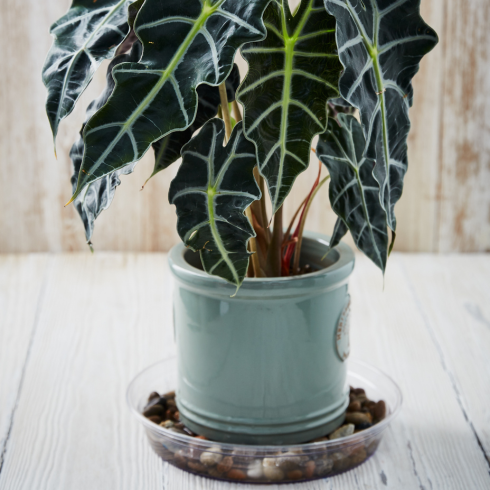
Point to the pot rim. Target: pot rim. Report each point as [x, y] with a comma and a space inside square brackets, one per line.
[329, 277]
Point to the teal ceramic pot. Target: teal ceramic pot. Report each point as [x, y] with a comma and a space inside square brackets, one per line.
[268, 365]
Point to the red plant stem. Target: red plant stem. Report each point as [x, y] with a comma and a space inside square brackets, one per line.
[286, 261]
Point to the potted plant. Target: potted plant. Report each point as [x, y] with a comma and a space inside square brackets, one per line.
[261, 313]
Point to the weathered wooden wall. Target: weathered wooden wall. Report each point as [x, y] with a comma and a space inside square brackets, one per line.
[445, 207]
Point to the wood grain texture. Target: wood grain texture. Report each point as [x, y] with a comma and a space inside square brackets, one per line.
[445, 206]
[101, 319]
[22, 281]
[464, 157]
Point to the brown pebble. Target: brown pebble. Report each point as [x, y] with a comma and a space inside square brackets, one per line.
[176, 416]
[362, 399]
[236, 474]
[358, 391]
[379, 411]
[310, 469]
[154, 410]
[180, 460]
[169, 415]
[155, 419]
[358, 418]
[153, 396]
[294, 475]
[358, 456]
[194, 465]
[170, 394]
[225, 465]
[355, 406]
[214, 473]
[171, 403]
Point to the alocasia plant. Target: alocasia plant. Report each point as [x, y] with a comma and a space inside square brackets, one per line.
[309, 71]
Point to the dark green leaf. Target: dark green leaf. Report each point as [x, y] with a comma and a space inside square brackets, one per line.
[292, 74]
[339, 231]
[88, 34]
[381, 43]
[211, 191]
[167, 150]
[98, 196]
[186, 43]
[354, 193]
[133, 10]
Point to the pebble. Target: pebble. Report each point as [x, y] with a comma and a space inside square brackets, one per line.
[255, 470]
[379, 411]
[180, 459]
[177, 431]
[354, 406]
[194, 465]
[214, 473]
[273, 472]
[358, 456]
[344, 431]
[323, 466]
[294, 475]
[310, 467]
[319, 439]
[211, 457]
[236, 474]
[292, 465]
[153, 395]
[154, 410]
[225, 465]
[290, 460]
[358, 418]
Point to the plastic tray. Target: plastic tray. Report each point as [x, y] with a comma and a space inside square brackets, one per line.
[264, 464]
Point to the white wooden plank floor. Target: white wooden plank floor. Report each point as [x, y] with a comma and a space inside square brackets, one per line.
[74, 329]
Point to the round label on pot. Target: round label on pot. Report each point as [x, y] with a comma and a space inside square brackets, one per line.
[342, 334]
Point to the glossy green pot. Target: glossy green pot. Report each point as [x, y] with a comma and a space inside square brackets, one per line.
[268, 365]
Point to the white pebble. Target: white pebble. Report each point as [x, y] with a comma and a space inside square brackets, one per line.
[255, 470]
[211, 457]
[273, 472]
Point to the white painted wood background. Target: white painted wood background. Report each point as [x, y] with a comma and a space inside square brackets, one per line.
[75, 329]
[445, 207]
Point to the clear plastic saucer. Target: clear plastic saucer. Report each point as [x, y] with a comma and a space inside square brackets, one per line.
[264, 464]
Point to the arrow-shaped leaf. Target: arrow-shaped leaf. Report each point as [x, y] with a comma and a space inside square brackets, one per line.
[354, 193]
[167, 150]
[292, 74]
[381, 43]
[186, 43]
[98, 196]
[88, 34]
[212, 189]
